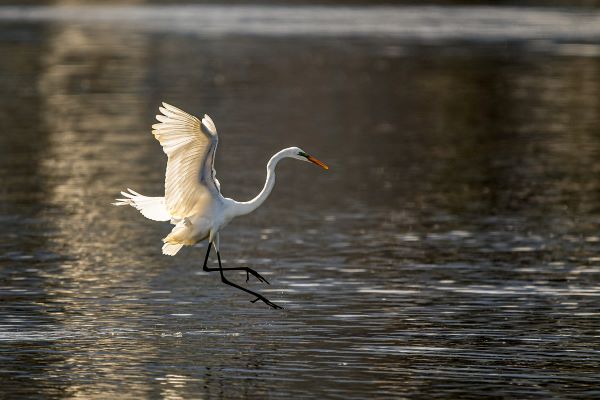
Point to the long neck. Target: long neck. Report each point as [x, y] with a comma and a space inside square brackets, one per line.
[246, 207]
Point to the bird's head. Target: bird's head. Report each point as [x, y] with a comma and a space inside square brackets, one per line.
[299, 154]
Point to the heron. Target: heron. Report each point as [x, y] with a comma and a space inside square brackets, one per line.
[193, 202]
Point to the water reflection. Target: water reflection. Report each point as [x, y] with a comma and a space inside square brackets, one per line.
[452, 248]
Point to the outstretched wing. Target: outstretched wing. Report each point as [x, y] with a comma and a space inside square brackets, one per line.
[190, 146]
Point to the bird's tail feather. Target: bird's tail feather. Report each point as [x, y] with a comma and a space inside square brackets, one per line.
[153, 208]
[170, 249]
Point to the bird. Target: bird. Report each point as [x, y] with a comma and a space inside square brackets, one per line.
[193, 202]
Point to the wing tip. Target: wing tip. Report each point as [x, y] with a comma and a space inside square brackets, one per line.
[208, 123]
[169, 249]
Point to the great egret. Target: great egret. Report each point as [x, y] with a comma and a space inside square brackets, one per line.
[193, 200]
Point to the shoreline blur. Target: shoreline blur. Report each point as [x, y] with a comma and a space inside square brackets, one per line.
[420, 23]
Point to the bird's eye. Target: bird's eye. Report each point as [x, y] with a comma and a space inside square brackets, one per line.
[303, 154]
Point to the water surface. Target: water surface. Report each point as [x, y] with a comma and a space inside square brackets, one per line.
[452, 250]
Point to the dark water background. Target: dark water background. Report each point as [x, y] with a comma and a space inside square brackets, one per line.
[452, 250]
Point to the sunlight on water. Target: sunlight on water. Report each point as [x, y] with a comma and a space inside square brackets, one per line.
[450, 251]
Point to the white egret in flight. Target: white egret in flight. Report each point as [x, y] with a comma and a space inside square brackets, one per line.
[193, 200]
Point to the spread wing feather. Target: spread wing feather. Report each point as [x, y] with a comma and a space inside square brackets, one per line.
[190, 145]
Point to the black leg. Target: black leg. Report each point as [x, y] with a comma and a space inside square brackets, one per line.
[258, 296]
[205, 267]
[249, 271]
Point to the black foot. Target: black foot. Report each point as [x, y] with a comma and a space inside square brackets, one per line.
[267, 302]
[248, 272]
[256, 275]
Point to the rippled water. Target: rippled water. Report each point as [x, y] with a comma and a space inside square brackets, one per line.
[452, 250]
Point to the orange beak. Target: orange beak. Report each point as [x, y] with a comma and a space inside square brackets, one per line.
[318, 162]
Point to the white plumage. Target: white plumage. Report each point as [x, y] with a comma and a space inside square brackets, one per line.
[153, 208]
[193, 200]
[190, 146]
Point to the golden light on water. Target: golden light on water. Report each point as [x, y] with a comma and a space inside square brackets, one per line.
[458, 226]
